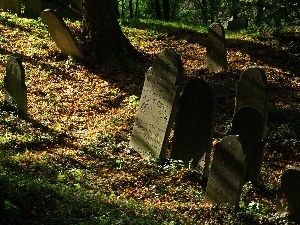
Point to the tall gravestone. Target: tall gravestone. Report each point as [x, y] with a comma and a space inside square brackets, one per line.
[157, 106]
[252, 91]
[248, 123]
[288, 194]
[15, 90]
[226, 176]
[215, 48]
[194, 126]
[12, 5]
[61, 34]
[33, 8]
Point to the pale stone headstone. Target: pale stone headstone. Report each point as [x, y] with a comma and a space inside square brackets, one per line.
[288, 194]
[11, 5]
[215, 48]
[61, 34]
[194, 127]
[33, 8]
[226, 176]
[248, 123]
[237, 24]
[157, 106]
[252, 91]
[15, 90]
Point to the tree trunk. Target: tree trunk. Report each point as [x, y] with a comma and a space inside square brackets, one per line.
[260, 12]
[157, 9]
[103, 37]
[166, 9]
[130, 8]
[136, 8]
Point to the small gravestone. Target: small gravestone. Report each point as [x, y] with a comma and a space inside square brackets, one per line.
[237, 24]
[33, 8]
[157, 106]
[288, 194]
[226, 176]
[15, 91]
[248, 123]
[61, 34]
[11, 5]
[194, 127]
[215, 48]
[252, 91]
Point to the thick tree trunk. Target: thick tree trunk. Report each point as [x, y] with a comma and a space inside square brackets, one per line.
[103, 37]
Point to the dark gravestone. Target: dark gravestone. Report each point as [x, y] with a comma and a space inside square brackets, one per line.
[61, 34]
[215, 48]
[226, 176]
[248, 123]
[11, 5]
[33, 8]
[252, 91]
[15, 91]
[157, 106]
[77, 5]
[237, 24]
[288, 194]
[194, 126]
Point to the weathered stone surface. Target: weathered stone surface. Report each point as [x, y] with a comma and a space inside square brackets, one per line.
[11, 5]
[33, 8]
[61, 34]
[194, 126]
[157, 106]
[226, 176]
[237, 24]
[215, 48]
[252, 91]
[248, 123]
[15, 90]
[288, 194]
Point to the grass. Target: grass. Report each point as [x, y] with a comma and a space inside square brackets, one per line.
[69, 162]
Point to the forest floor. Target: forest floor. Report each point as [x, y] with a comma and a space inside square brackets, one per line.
[68, 161]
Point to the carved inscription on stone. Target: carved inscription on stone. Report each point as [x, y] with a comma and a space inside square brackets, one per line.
[194, 126]
[157, 106]
[15, 91]
[227, 172]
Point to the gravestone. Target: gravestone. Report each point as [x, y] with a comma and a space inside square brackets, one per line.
[61, 34]
[157, 106]
[248, 123]
[226, 176]
[215, 48]
[77, 4]
[11, 5]
[33, 8]
[252, 91]
[288, 194]
[237, 24]
[194, 127]
[15, 91]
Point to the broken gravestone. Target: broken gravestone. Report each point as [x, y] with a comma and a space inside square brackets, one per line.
[11, 5]
[15, 91]
[215, 48]
[194, 127]
[33, 8]
[157, 106]
[288, 194]
[61, 34]
[226, 176]
[252, 91]
[237, 24]
[248, 124]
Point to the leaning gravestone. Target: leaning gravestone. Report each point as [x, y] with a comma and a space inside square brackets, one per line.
[288, 194]
[15, 91]
[226, 177]
[194, 127]
[61, 34]
[33, 8]
[215, 48]
[248, 123]
[12, 5]
[252, 91]
[157, 106]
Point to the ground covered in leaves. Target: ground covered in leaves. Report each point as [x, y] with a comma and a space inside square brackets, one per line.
[68, 161]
